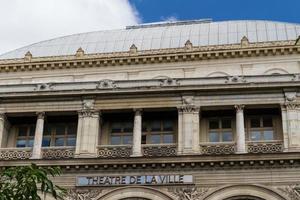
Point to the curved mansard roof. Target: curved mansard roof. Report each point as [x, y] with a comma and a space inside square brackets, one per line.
[162, 36]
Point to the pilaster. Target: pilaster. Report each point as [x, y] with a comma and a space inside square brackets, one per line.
[87, 130]
[188, 127]
[4, 126]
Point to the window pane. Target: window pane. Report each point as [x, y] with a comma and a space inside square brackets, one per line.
[127, 139]
[155, 126]
[115, 140]
[227, 137]
[255, 122]
[168, 139]
[21, 143]
[116, 127]
[71, 141]
[46, 141]
[268, 135]
[155, 139]
[72, 129]
[32, 130]
[60, 129]
[144, 139]
[22, 131]
[128, 127]
[47, 130]
[226, 123]
[59, 142]
[168, 125]
[213, 124]
[267, 122]
[30, 142]
[255, 135]
[214, 137]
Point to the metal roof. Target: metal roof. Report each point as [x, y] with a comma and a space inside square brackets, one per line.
[162, 36]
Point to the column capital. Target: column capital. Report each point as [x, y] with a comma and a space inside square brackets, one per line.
[89, 113]
[2, 116]
[40, 115]
[188, 109]
[239, 107]
[291, 105]
[138, 111]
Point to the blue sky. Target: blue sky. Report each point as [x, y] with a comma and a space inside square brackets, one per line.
[159, 10]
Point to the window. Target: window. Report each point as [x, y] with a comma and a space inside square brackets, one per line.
[59, 135]
[25, 135]
[220, 130]
[158, 131]
[121, 133]
[261, 128]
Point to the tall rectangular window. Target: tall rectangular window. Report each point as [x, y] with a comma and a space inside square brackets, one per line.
[261, 128]
[121, 133]
[220, 130]
[25, 135]
[61, 134]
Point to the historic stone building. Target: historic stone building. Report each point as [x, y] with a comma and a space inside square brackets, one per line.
[192, 110]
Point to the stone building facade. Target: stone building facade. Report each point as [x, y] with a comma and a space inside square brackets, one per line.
[193, 110]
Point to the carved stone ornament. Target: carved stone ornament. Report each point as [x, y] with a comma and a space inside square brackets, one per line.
[106, 84]
[88, 194]
[43, 87]
[188, 100]
[79, 52]
[133, 49]
[188, 108]
[297, 41]
[235, 79]
[188, 45]
[88, 104]
[88, 113]
[290, 96]
[28, 56]
[189, 193]
[169, 82]
[245, 42]
[292, 191]
[296, 77]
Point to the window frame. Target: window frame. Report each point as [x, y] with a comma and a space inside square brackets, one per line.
[220, 131]
[121, 133]
[261, 128]
[27, 137]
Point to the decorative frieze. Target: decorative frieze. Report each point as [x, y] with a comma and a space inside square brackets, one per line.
[114, 151]
[15, 153]
[265, 147]
[217, 149]
[58, 153]
[83, 194]
[159, 150]
[106, 84]
[188, 193]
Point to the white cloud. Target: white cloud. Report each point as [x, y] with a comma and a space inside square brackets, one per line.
[27, 21]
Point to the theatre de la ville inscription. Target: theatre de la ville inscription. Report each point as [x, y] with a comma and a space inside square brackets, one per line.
[186, 110]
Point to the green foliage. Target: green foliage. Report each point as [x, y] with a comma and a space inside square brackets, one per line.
[24, 183]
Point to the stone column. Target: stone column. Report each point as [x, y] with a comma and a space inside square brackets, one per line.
[240, 130]
[87, 134]
[3, 130]
[188, 130]
[137, 134]
[38, 136]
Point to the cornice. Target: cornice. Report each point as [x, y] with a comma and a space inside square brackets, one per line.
[150, 56]
[228, 162]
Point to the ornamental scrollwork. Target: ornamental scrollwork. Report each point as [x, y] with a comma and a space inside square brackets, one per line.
[189, 193]
[88, 104]
[209, 149]
[161, 150]
[291, 191]
[265, 147]
[169, 82]
[15, 154]
[188, 109]
[75, 194]
[106, 84]
[235, 79]
[114, 152]
[54, 153]
[43, 86]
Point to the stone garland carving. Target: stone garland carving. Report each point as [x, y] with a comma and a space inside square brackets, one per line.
[43, 86]
[54, 153]
[169, 82]
[189, 193]
[162, 150]
[292, 191]
[88, 104]
[235, 79]
[15, 154]
[114, 152]
[106, 84]
[74, 194]
[265, 147]
[211, 149]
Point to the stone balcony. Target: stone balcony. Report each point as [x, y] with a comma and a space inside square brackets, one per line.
[15, 153]
[58, 152]
[217, 148]
[273, 146]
